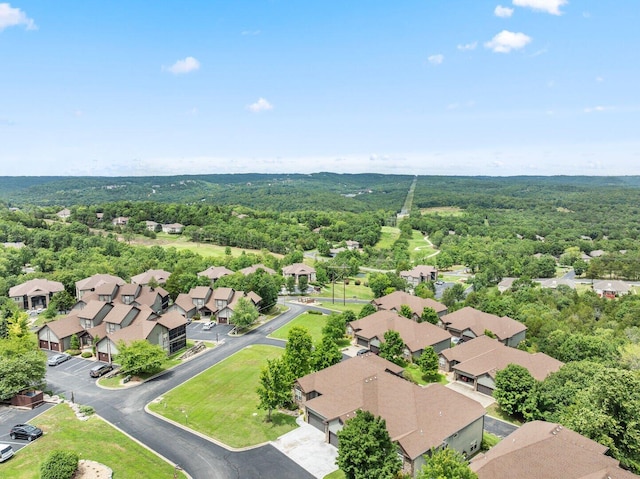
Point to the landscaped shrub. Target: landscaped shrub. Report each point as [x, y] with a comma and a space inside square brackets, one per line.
[87, 410]
[87, 354]
[73, 352]
[59, 465]
[314, 311]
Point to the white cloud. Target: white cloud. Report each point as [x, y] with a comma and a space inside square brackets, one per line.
[598, 108]
[549, 6]
[503, 12]
[436, 59]
[260, 105]
[468, 46]
[187, 65]
[11, 17]
[599, 79]
[505, 41]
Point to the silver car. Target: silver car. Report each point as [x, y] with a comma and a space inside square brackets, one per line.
[57, 359]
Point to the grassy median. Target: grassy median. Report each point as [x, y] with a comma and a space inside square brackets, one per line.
[93, 439]
[222, 402]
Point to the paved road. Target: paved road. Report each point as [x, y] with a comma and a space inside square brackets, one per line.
[198, 456]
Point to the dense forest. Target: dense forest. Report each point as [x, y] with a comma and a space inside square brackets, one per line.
[490, 228]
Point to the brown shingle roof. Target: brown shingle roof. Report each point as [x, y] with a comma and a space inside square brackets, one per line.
[256, 267]
[478, 322]
[159, 275]
[200, 292]
[36, 286]
[417, 418]
[184, 302]
[172, 320]
[396, 299]
[547, 451]
[416, 336]
[92, 309]
[64, 327]
[298, 268]
[96, 280]
[215, 272]
[484, 355]
[119, 313]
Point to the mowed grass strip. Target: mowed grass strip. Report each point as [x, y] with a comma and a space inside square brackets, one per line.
[222, 402]
[313, 322]
[93, 439]
[388, 237]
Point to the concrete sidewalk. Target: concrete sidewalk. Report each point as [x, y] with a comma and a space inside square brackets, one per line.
[306, 447]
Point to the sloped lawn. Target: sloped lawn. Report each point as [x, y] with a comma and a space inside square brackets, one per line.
[222, 402]
[93, 439]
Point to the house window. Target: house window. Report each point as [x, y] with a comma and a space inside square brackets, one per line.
[298, 394]
[474, 446]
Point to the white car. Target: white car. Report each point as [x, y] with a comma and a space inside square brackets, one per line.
[208, 326]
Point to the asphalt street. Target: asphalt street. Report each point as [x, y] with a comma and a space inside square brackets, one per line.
[198, 456]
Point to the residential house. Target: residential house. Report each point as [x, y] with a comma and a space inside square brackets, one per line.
[395, 300]
[611, 288]
[550, 451]
[35, 293]
[151, 225]
[477, 361]
[419, 274]
[183, 304]
[56, 335]
[168, 331]
[156, 298]
[172, 228]
[418, 419]
[596, 253]
[217, 303]
[352, 245]
[299, 270]
[505, 284]
[254, 269]
[468, 323]
[553, 283]
[64, 213]
[14, 244]
[369, 333]
[159, 275]
[120, 221]
[214, 273]
[88, 285]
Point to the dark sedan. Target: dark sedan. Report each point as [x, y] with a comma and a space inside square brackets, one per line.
[25, 431]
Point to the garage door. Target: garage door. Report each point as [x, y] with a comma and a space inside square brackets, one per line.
[333, 439]
[54, 346]
[485, 390]
[44, 344]
[316, 421]
[363, 342]
[104, 357]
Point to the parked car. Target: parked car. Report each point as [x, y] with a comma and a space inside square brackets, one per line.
[57, 359]
[208, 326]
[362, 352]
[6, 451]
[100, 370]
[25, 431]
[439, 282]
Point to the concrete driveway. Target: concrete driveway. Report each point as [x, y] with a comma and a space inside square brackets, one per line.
[468, 391]
[306, 447]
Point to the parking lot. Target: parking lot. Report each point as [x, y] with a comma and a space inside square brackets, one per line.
[10, 416]
[196, 331]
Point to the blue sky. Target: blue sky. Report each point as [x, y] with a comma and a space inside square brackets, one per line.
[429, 87]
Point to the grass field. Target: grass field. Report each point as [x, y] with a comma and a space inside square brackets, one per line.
[442, 211]
[339, 307]
[349, 291]
[222, 402]
[413, 373]
[418, 247]
[313, 322]
[389, 235]
[93, 439]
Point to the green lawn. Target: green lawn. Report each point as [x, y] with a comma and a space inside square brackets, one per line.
[495, 411]
[339, 307]
[93, 439]
[388, 237]
[413, 373]
[350, 291]
[337, 474]
[222, 402]
[313, 322]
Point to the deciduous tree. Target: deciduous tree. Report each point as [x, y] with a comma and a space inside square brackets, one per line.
[513, 386]
[140, 357]
[429, 362]
[274, 389]
[297, 353]
[446, 463]
[365, 450]
[392, 348]
[244, 314]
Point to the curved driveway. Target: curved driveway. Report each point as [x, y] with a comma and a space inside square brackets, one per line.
[198, 456]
